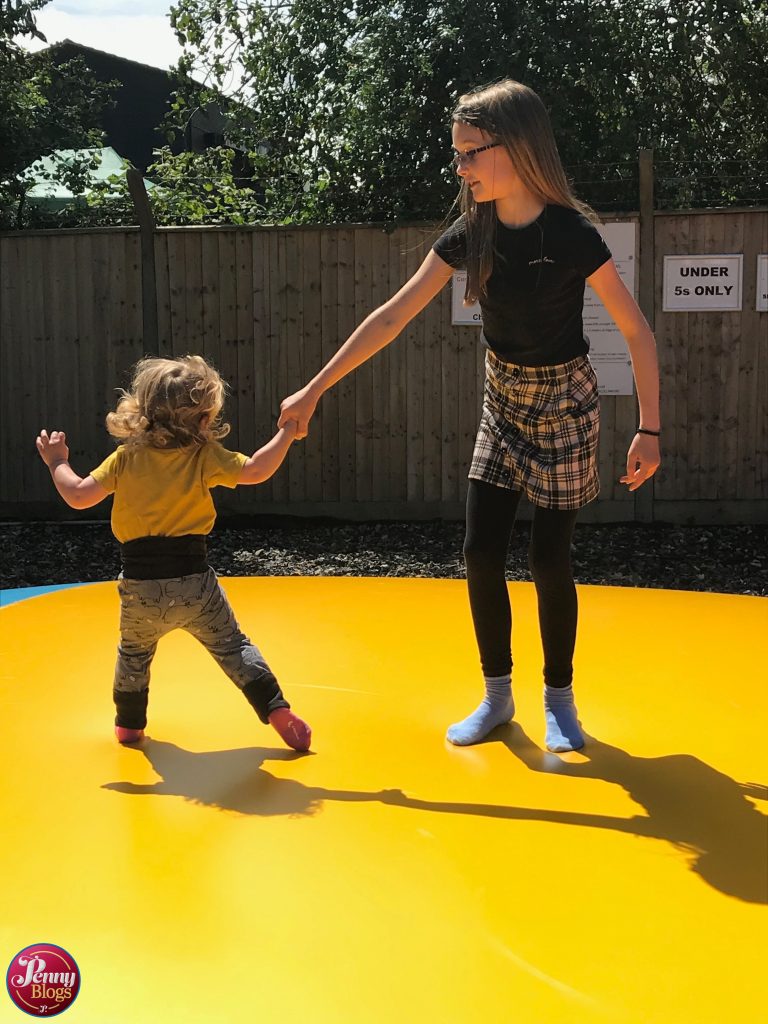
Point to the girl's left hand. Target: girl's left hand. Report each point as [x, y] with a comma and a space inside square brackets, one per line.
[643, 460]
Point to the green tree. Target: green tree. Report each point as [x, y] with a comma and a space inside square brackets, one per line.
[354, 96]
[188, 189]
[44, 107]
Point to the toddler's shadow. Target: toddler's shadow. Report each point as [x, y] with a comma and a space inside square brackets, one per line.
[231, 780]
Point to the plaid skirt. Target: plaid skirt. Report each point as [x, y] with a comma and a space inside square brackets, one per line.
[538, 431]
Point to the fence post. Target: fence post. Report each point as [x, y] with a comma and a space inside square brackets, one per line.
[644, 497]
[148, 279]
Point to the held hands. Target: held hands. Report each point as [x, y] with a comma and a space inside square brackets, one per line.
[642, 460]
[290, 427]
[53, 449]
[392, 796]
[299, 407]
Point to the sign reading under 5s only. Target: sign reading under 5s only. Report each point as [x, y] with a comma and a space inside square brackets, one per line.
[710, 283]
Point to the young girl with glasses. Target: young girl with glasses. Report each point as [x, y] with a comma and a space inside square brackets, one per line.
[528, 247]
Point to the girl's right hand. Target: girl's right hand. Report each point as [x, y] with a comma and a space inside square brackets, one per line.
[300, 407]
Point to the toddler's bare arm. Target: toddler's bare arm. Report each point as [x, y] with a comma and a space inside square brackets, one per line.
[76, 491]
[267, 460]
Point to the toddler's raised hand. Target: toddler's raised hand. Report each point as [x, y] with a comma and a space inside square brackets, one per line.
[52, 449]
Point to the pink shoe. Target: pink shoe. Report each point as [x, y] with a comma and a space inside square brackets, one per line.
[128, 735]
[290, 728]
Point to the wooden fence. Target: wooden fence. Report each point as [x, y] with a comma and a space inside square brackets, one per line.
[269, 305]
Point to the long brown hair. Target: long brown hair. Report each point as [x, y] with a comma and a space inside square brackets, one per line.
[171, 403]
[512, 114]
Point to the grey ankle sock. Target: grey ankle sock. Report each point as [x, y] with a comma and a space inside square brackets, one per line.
[563, 732]
[496, 708]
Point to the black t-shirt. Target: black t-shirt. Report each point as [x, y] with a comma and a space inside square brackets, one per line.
[532, 314]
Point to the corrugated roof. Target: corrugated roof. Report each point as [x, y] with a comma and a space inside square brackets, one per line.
[55, 192]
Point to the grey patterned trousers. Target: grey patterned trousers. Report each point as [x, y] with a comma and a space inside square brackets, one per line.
[151, 608]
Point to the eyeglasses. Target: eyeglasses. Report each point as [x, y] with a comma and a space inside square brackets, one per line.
[469, 155]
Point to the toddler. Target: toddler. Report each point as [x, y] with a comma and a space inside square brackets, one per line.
[161, 475]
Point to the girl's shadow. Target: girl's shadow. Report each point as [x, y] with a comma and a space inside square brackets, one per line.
[231, 780]
[699, 810]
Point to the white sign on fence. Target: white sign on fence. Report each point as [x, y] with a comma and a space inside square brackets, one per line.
[608, 351]
[762, 283]
[711, 283]
[461, 314]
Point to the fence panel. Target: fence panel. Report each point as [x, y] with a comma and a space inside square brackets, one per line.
[270, 305]
[70, 328]
[712, 365]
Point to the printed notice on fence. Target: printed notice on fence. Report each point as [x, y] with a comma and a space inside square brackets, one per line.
[706, 283]
[607, 348]
[608, 351]
[762, 283]
[461, 314]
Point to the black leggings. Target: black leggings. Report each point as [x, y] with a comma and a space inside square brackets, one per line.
[490, 516]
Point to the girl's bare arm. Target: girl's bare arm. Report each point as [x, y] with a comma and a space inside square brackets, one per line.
[643, 457]
[375, 332]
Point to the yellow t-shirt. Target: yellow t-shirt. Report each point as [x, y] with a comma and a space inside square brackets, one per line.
[163, 492]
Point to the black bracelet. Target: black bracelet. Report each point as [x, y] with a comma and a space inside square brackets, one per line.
[651, 433]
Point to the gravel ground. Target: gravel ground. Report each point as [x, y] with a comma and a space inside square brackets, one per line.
[727, 559]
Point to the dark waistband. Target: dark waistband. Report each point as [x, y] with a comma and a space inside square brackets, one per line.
[162, 558]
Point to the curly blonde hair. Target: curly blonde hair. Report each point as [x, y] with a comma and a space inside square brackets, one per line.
[171, 403]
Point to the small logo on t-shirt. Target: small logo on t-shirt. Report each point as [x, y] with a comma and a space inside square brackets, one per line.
[543, 259]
